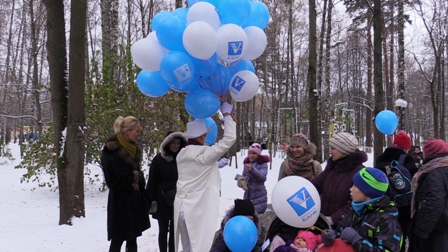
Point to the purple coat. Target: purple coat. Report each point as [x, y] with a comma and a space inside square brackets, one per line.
[256, 190]
[334, 184]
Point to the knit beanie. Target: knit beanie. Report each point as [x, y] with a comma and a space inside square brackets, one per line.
[311, 239]
[371, 181]
[402, 140]
[435, 146]
[299, 140]
[243, 207]
[255, 147]
[344, 142]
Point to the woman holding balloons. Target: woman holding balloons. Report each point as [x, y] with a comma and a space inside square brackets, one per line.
[334, 183]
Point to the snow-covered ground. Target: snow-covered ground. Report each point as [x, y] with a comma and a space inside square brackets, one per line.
[29, 214]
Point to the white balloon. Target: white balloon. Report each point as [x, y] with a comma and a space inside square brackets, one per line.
[296, 201]
[199, 40]
[147, 54]
[204, 11]
[256, 43]
[243, 86]
[232, 41]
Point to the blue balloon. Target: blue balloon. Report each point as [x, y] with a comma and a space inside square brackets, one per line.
[211, 136]
[386, 122]
[181, 13]
[233, 11]
[177, 70]
[156, 19]
[205, 68]
[169, 33]
[201, 103]
[151, 83]
[259, 15]
[240, 234]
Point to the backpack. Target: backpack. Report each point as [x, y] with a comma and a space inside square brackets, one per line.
[399, 182]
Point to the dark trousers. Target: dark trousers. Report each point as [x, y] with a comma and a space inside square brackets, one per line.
[166, 226]
[131, 245]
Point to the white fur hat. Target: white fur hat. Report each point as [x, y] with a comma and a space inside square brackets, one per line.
[195, 129]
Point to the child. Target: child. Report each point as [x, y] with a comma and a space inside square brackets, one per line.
[255, 171]
[245, 208]
[306, 241]
[372, 224]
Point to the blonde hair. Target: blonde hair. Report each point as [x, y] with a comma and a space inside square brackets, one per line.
[122, 123]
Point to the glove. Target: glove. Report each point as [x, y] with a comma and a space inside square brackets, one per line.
[242, 183]
[153, 208]
[223, 162]
[350, 235]
[328, 236]
[226, 108]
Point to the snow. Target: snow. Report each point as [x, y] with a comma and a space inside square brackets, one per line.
[29, 214]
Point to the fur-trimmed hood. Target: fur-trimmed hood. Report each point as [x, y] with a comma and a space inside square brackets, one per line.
[112, 144]
[164, 148]
[310, 148]
[261, 159]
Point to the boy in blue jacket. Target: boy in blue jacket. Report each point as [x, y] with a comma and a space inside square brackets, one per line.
[372, 224]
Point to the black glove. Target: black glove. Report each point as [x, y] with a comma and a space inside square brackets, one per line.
[328, 236]
[350, 235]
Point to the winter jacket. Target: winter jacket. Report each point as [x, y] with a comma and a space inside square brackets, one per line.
[394, 153]
[199, 189]
[309, 169]
[256, 190]
[163, 177]
[219, 244]
[127, 208]
[334, 183]
[390, 154]
[430, 223]
[377, 225]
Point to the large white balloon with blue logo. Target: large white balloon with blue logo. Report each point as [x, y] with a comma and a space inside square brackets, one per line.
[232, 41]
[244, 86]
[296, 201]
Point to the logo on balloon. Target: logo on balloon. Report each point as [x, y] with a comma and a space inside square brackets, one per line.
[182, 73]
[303, 204]
[235, 48]
[238, 83]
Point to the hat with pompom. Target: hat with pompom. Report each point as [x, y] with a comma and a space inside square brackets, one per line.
[255, 147]
[402, 140]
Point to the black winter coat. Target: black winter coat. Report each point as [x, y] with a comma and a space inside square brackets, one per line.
[377, 225]
[430, 222]
[127, 208]
[163, 177]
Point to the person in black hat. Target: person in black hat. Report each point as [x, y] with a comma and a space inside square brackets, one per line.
[245, 208]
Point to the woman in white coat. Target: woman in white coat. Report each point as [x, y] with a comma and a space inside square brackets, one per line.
[196, 206]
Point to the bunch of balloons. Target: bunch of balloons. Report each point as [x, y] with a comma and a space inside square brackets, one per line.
[204, 50]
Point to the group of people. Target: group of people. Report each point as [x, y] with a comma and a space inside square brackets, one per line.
[184, 186]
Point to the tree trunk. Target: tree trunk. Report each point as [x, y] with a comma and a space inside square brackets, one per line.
[401, 66]
[57, 62]
[313, 94]
[35, 79]
[326, 137]
[72, 189]
[369, 115]
[378, 74]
